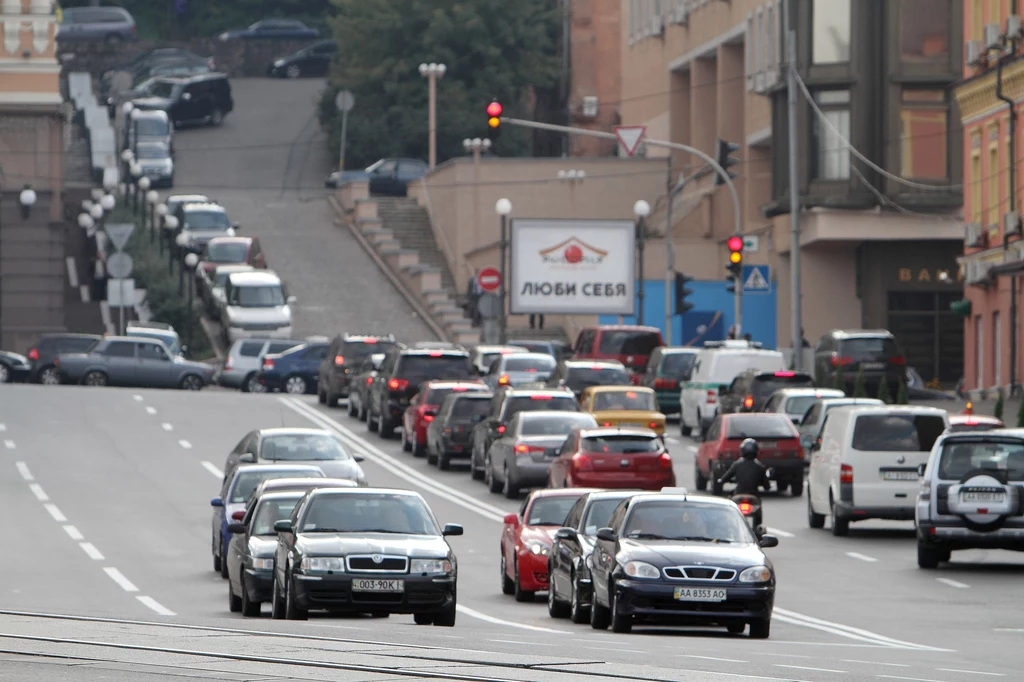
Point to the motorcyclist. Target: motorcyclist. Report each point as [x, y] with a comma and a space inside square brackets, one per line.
[747, 471]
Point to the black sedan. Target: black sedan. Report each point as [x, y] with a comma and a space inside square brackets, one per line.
[273, 29]
[13, 367]
[312, 60]
[364, 550]
[678, 560]
[568, 571]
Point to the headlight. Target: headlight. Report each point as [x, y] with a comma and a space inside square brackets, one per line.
[225, 36]
[263, 564]
[641, 569]
[756, 574]
[279, 63]
[231, 232]
[316, 563]
[537, 548]
[430, 566]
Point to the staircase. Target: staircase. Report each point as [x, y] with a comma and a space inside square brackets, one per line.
[410, 225]
[82, 312]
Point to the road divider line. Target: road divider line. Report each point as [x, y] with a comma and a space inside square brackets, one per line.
[9, 444]
[119, 578]
[953, 583]
[969, 672]
[38, 491]
[862, 557]
[3, 427]
[55, 512]
[911, 679]
[24, 471]
[91, 550]
[891, 665]
[209, 466]
[156, 606]
[498, 621]
[805, 667]
[137, 397]
[712, 658]
[795, 618]
[185, 444]
[74, 533]
[150, 409]
[167, 427]
[403, 471]
[780, 533]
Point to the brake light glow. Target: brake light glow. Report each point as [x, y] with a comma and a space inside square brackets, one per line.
[33, 354]
[665, 383]
[785, 374]
[369, 380]
[525, 449]
[748, 402]
[339, 359]
[428, 418]
[606, 424]
[665, 461]
[846, 474]
[398, 384]
[596, 367]
[56, 361]
[540, 397]
[503, 380]
[370, 341]
[501, 429]
[581, 462]
[971, 422]
[898, 360]
[837, 361]
[712, 396]
[436, 354]
[746, 508]
[227, 363]
[652, 425]
[268, 363]
[460, 389]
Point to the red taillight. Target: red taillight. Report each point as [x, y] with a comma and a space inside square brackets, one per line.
[540, 397]
[652, 425]
[339, 359]
[501, 429]
[370, 341]
[436, 354]
[33, 354]
[460, 389]
[503, 380]
[748, 402]
[785, 374]
[582, 463]
[746, 508]
[665, 461]
[428, 418]
[665, 383]
[971, 422]
[398, 384]
[712, 395]
[837, 361]
[227, 363]
[526, 449]
[846, 474]
[268, 364]
[898, 360]
[56, 361]
[369, 380]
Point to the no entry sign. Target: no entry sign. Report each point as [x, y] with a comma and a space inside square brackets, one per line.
[489, 279]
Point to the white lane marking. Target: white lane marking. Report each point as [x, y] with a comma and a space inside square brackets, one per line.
[74, 533]
[91, 550]
[780, 533]
[38, 491]
[119, 578]
[3, 427]
[212, 469]
[862, 557]
[804, 667]
[137, 397]
[24, 471]
[912, 679]
[83, 293]
[167, 427]
[150, 409]
[156, 606]
[607, 648]
[55, 512]
[498, 621]
[1007, 629]
[712, 658]
[520, 642]
[953, 583]
[969, 672]
[691, 448]
[9, 444]
[185, 444]
[794, 618]
[891, 665]
[396, 467]
[72, 272]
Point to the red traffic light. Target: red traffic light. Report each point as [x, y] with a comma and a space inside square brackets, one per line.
[735, 244]
[494, 109]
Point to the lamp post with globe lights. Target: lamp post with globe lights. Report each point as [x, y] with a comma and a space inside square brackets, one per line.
[182, 242]
[432, 72]
[96, 213]
[144, 183]
[161, 212]
[26, 200]
[641, 210]
[170, 225]
[191, 261]
[136, 173]
[503, 207]
[152, 198]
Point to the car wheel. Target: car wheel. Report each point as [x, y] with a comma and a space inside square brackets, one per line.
[49, 376]
[406, 445]
[716, 487]
[234, 601]
[493, 484]
[683, 428]
[444, 460]
[223, 560]
[423, 618]
[371, 423]
[445, 618]
[556, 609]
[698, 478]
[351, 408]
[796, 486]
[293, 71]
[277, 602]
[760, 629]
[216, 560]
[507, 586]
[599, 615]
[296, 385]
[385, 429]
[191, 383]
[578, 611]
[736, 628]
[814, 520]
[5, 373]
[291, 609]
[620, 622]
[321, 397]
[508, 488]
[216, 117]
[417, 449]
[431, 457]
[475, 473]
[928, 557]
[250, 609]
[114, 40]
[361, 410]
[520, 594]
[95, 379]
[840, 527]
[252, 384]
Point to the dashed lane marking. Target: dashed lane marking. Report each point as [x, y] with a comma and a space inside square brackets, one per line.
[56, 513]
[969, 672]
[862, 557]
[3, 427]
[780, 533]
[91, 550]
[953, 583]
[866, 636]
[9, 444]
[185, 444]
[213, 469]
[137, 397]
[150, 409]
[24, 471]
[672, 440]
[74, 533]
[806, 667]
[156, 606]
[891, 665]
[167, 427]
[118, 577]
[712, 658]
[498, 621]
[910, 679]
[38, 491]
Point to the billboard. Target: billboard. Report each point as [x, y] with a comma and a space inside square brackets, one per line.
[572, 267]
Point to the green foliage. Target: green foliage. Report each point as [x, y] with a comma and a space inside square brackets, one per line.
[1020, 415]
[840, 379]
[997, 411]
[883, 392]
[492, 49]
[903, 397]
[859, 389]
[819, 374]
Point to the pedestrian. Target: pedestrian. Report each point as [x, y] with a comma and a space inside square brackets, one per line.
[534, 319]
[747, 337]
[732, 333]
[803, 339]
[473, 295]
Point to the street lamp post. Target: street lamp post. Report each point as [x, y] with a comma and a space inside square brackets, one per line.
[503, 207]
[136, 171]
[432, 72]
[161, 211]
[191, 261]
[144, 184]
[641, 210]
[181, 241]
[152, 197]
[170, 225]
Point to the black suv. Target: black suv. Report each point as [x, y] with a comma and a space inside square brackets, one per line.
[46, 349]
[507, 403]
[751, 389]
[450, 435]
[873, 351]
[344, 357]
[199, 99]
[399, 379]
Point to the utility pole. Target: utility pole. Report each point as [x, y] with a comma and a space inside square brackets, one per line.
[1012, 196]
[794, 191]
[670, 255]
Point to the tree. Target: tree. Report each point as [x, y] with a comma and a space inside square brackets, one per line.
[819, 374]
[859, 389]
[883, 392]
[840, 381]
[1020, 415]
[493, 49]
[903, 397]
[997, 411]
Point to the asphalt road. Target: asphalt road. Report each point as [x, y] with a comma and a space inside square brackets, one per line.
[266, 165]
[108, 499]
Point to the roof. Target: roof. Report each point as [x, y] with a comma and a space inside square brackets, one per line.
[679, 350]
[855, 333]
[976, 418]
[455, 383]
[230, 240]
[292, 431]
[816, 392]
[610, 494]
[536, 391]
[620, 389]
[202, 206]
[282, 495]
[562, 492]
[189, 198]
[254, 278]
[672, 497]
[499, 349]
[435, 351]
[618, 431]
[625, 327]
[532, 356]
[1004, 433]
[233, 267]
[892, 409]
[367, 337]
[361, 491]
[602, 364]
[276, 467]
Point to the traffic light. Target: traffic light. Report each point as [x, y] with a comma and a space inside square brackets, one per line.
[725, 159]
[735, 266]
[731, 286]
[682, 305]
[494, 111]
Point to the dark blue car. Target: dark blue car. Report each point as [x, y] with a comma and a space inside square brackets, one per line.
[273, 29]
[295, 370]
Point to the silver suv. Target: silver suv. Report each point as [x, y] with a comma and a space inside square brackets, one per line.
[245, 358]
[972, 495]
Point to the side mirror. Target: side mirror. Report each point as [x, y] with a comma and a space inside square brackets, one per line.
[238, 515]
[767, 541]
[511, 520]
[566, 534]
[920, 469]
[807, 441]
[606, 534]
[216, 502]
[236, 528]
[184, 350]
[451, 529]
[283, 526]
[358, 458]
[291, 300]
[236, 227]
[247, 458]
[187, 96]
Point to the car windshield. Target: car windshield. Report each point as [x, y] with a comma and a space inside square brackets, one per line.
[550, 511]
[539, 403]
[543, 366]
[533, 347]
[226, 252]
[257, 296]
[728, 365]
[897, 432]
[677, 364]
[625, 400]
[302, 448]
[598, 515]
[436, 396]
[270, 512]
[759, 426]
[152, 153]
[246, 481]
[220, 280]
[800, 404]
[959, 458]
[869, 349]
[621, 444]
[579, 378]
[355, 352]
[686, 520]
[471, 409]
[764, 386]
[553, 425]
[162, 89]
[151, 127]
[207, 220]
[423, 367]
[626, 342]
[369, 513]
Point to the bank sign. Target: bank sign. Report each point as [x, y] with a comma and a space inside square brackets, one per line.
[572, 267]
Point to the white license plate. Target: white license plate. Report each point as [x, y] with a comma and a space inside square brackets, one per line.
[767, 444]
[377, 585]
[900, 476]
[982, 497]
[698, 594]
[873, 365]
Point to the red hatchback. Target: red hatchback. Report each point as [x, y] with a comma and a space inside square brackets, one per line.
[779, 444]
[612, 457]
[423, 408]
[526, 540]
[631, 345]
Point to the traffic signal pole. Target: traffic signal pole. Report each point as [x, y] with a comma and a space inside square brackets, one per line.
[737, 207]
[796, 313]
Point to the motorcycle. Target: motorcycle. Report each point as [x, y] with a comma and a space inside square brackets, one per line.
[750, 507]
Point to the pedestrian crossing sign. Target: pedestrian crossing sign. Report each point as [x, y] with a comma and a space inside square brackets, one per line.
[757, 278]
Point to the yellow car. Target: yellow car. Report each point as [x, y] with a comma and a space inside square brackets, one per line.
[624, 406]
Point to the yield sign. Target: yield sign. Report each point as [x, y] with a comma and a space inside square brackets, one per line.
[118, 233]
[629, 137]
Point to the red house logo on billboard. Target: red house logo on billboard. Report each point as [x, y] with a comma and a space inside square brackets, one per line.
[573, 252]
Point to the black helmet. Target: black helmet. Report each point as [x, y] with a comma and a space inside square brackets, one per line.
[749, 448]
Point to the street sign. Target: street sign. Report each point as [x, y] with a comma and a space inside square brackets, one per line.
[120, 293]
[119, 233]
[751, 243]
[344, 101]
[489, 306]
[119, 265]
[630, 137]
[757, 279]
[489, 279]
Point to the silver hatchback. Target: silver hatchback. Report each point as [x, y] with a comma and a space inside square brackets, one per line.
[245, 358]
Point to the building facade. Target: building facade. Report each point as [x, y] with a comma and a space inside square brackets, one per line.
[595, 72]
[877, 78]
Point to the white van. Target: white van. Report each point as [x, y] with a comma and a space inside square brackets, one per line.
[865, 464]
[713, 371]
[255, 305]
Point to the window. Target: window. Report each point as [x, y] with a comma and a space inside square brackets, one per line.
[924, 30]
[977, 19]
[250, 349]
[992, 177]
[831, 156]
[974, 180]
[765, 38]
[152, 351]
[120, 349]
[924, 120]
[896, 432]
[997, 354]
[979, 351]
[831, 27]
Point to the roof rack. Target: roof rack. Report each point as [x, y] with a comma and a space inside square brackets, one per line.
[733, 343]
